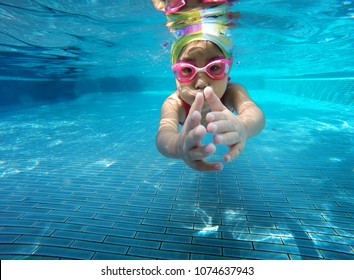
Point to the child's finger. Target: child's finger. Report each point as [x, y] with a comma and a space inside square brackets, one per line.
[215, 116]
[221, 127]
[198, 103]
[229, 138]
[234, 152]
[214, 102]
[201, 152]
[202, 165]
[194, 137]
[193, 120]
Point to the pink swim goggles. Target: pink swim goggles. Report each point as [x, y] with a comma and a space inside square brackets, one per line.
[174, 6]
[216, 69]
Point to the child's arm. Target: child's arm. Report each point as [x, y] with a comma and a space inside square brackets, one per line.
[186, 144]
[229, 129]
[250, 114]
[167, 135]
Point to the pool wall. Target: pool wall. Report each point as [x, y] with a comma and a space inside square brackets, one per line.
[14, 92]
[336, 90]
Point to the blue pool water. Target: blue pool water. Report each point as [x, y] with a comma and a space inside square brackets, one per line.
[80, 176]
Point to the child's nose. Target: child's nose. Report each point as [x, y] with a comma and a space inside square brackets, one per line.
[201, 80]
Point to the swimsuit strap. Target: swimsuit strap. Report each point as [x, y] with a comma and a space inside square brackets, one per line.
[187, 108]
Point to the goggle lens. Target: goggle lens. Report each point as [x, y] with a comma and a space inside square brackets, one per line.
[217, 70]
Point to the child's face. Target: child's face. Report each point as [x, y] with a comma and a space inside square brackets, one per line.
[200, 53]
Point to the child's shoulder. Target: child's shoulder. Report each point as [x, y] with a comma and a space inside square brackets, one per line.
[174, 97]
[235, 94]
[174, 100]
[235, 88]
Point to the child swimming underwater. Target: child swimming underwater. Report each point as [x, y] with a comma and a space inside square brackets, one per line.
[205, 99]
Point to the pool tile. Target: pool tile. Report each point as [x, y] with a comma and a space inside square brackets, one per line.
[320, 245]
[158, 254]
[191, 248]
[259, 238]
[211, 257]
[97, 192]
[25, 208]
[306, 252]
[27, 257]
[167, 223]
[109, 231]
[164, 237]
[59, 226]
[27, 230]
[99, 247]
[16, 222]
[62, 252]
[254, 255]
[8, 239]
[76, 214]
[9, 216]
[120, 219]
[132, 242]
[331, 238]
[144, 228]
[18, 250]
[299, 228]
[44, 218]
[345, 233]
[49, 206]
[301, 257]
[90, 211]
[91, 222]
[43, 240]
[108, 256]
[337, 255]
[179, 231]
[78, 235]
[217, 242]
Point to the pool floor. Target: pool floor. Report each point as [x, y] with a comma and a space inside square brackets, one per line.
[82, 179]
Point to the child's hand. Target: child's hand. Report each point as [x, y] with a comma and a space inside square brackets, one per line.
[190, 147]
[226, 127]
